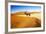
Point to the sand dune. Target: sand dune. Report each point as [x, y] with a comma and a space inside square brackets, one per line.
[20, 20]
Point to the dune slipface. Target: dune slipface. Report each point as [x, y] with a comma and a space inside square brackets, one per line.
[20, 20]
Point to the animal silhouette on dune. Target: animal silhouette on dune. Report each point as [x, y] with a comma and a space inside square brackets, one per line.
[24, 22]
[26, 13]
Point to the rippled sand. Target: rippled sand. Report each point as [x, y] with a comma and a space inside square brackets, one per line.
[20, 20]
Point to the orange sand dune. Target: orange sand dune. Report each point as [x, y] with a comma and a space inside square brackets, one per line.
[24, 22]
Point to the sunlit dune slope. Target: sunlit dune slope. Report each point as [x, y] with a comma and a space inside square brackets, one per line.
[20, 20]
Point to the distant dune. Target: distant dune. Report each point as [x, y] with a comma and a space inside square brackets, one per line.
[21, 20]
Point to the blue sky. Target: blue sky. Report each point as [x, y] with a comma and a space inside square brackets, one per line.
[18, 8]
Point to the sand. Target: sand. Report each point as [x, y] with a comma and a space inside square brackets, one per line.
[20, 20]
